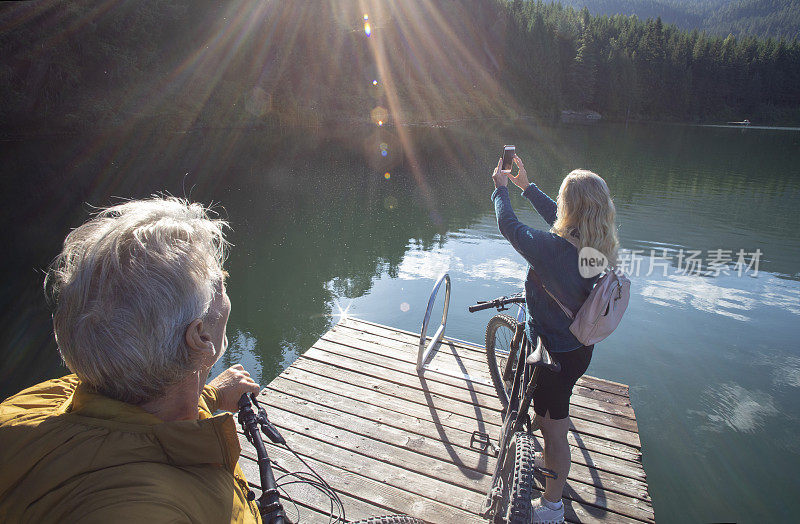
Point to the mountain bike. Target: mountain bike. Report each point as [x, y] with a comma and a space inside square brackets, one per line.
[509, 497]
[269, 504]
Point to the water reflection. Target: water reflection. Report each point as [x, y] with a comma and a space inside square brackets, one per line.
[730, 406]
[710, 296]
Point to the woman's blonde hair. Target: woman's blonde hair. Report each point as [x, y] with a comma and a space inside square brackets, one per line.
[126, 286]
[585, 207]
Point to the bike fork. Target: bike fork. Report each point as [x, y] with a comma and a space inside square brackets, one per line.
[491, 505]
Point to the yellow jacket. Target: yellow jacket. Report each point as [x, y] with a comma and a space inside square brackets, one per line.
[70, 455]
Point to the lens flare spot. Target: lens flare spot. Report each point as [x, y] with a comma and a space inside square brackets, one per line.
[374, 82]
[384, 153]
[404, 307]
[387, 175]
[258, 102]
[342, 314]
[390, 202]
[366, 16]
[379, 115]
[367, 29]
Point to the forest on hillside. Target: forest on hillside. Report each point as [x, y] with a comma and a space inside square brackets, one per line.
[186, 64]
[621, 66]
[761, 18]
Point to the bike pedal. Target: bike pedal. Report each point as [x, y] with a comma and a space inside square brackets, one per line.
[480, 441]
[548, 473]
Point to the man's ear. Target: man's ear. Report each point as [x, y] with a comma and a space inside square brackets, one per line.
[199, 341]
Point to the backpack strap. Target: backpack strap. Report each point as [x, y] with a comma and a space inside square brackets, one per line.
[564, 308]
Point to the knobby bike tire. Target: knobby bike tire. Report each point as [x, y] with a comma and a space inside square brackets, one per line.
[520, 510]
[391, 519]
[497, 323]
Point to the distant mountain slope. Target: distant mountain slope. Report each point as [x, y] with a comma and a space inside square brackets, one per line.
[776, 18]
[762, 18]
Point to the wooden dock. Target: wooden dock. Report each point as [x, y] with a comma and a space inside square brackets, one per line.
[390, 440]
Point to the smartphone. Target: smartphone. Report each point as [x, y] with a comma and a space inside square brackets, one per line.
[508, 157]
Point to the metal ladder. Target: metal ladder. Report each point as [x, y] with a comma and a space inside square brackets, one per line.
[424, 354]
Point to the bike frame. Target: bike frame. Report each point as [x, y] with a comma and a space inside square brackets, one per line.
[516, 415]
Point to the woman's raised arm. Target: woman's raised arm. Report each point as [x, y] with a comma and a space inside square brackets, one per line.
[543, 204]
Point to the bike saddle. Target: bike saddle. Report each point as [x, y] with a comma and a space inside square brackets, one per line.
[541, 357]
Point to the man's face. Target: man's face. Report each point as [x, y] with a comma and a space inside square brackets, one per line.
[218, 314]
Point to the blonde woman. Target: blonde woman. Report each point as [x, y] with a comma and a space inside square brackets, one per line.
[583, 216]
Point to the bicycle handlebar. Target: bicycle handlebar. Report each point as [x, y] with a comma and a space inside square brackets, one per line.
[496, 303]
[269, 503]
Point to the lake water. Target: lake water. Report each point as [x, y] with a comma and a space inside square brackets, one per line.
[364, 220]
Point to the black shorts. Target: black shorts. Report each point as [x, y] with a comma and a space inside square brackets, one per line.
[553, 390]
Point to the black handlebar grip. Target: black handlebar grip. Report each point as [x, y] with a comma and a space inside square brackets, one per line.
[481, 307]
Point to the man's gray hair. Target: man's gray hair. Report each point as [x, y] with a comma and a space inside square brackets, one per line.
[127, 285]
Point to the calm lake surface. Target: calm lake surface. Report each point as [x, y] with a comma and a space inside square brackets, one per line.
[319, 228]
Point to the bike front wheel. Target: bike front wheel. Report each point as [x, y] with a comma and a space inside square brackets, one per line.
[499, 333]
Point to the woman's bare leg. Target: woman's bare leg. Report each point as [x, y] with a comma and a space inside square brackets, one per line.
[556, 454]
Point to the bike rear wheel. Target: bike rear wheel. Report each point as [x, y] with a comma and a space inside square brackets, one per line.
[518, 482]
[499, 333]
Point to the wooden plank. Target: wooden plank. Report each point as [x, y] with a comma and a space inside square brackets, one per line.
[601, 425]
[415, 452]
[312, 505]
[491, 424]
[617, 428]
[609, 398]
[350, 358]
[384, 448]
[623, 476]
[447, 353]
[485, 393]
[605, 385]
[411, 342]
[403, 468]
[444, 402]
[373, 354]
[362, 488]
[384, 358]
[470, 351]
[588, 467]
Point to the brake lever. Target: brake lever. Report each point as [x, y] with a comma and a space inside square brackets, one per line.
[266, 426]
[502, 307]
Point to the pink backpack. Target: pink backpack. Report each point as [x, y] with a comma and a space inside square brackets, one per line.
[602, 311]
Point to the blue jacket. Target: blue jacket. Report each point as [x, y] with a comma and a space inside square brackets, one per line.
[555, 260]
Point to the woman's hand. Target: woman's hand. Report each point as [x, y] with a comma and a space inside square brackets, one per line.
[232, 384]
[500, 178]
[521, 180]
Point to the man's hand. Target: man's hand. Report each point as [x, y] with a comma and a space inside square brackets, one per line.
[232, 384]
[521, 180]
[500, 178]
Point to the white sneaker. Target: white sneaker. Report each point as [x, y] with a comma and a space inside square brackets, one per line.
[544, 515]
